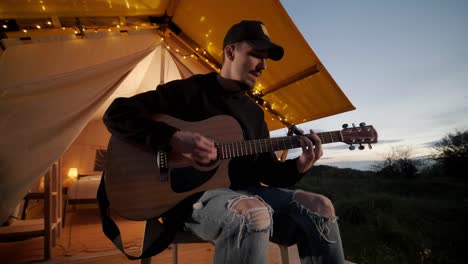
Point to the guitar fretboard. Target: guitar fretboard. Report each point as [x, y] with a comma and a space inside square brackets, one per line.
[250, 147]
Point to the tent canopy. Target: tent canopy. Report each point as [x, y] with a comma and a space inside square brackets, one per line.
[294, 90]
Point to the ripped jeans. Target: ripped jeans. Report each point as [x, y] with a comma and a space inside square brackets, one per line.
[239, 240]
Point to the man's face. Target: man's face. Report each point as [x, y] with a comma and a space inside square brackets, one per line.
[248, 63]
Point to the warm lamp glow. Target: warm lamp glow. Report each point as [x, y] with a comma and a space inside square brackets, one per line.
[73, 173]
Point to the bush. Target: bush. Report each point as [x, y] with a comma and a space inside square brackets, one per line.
[451, 154]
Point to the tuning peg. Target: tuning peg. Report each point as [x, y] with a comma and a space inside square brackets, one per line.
[362, 124]
[351, 147]
[361, 147]
[344, 126]
[370, 146]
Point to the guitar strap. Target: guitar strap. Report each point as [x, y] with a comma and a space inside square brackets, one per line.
[173, 221]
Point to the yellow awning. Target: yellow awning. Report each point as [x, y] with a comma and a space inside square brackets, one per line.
[294, 90]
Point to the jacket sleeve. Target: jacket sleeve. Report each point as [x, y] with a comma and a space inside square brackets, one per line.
[276, 173]
[273, 172]
[129, 118]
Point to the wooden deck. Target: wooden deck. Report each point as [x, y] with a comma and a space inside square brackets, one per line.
[83, 241]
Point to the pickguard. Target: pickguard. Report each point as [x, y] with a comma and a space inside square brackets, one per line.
[185, 179]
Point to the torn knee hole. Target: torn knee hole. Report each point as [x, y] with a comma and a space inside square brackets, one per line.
[316, 203]
[257, 214]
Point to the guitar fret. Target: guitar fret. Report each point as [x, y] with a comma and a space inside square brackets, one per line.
[235, 149]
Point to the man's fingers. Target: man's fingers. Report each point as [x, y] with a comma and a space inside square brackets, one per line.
[204, 149]
[318, 145]
[203, 143]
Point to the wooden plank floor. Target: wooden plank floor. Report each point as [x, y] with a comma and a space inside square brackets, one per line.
[83, 241]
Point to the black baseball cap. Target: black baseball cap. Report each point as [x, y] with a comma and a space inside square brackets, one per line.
[255, 33]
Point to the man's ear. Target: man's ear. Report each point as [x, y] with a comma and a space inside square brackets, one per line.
[229, 51]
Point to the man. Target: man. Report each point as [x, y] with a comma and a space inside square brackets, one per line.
[238, 220]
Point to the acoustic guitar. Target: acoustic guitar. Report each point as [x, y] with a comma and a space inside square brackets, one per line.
[142, 184]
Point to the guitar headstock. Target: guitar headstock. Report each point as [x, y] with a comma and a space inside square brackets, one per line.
[361, 134]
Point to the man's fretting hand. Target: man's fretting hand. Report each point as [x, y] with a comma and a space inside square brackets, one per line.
[311, 152]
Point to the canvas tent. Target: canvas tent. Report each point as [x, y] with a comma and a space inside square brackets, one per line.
[54, 81]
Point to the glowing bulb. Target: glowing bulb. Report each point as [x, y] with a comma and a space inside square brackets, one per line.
[118, 26]
[63, 28]
[5, 26]
[24, 30]
[49, 23]
[39, 27]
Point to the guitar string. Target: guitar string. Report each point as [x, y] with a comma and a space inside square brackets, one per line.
[240, 148]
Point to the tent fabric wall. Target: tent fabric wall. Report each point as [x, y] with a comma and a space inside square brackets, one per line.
[48, 93]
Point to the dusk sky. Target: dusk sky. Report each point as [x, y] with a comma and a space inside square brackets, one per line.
[402, 63]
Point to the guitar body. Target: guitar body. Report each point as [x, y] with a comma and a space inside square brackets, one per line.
[138, 188]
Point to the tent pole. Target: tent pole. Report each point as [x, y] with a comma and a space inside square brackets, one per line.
[163, 64]
[295, 78]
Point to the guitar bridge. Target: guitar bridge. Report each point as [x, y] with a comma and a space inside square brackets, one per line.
[161, 159]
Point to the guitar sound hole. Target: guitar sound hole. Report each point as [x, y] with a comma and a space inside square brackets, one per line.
[188, 178]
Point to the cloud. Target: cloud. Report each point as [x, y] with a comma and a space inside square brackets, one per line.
[337, 147]
[450, 116]
[387, 141]
[429, 144]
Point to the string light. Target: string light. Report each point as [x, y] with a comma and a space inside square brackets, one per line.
[257, 96]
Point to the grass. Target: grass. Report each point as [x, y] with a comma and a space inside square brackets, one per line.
[395, 220]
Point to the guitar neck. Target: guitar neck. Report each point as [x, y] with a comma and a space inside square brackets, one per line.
[250, 147]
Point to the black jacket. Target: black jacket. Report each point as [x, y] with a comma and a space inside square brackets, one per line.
[194, 99]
